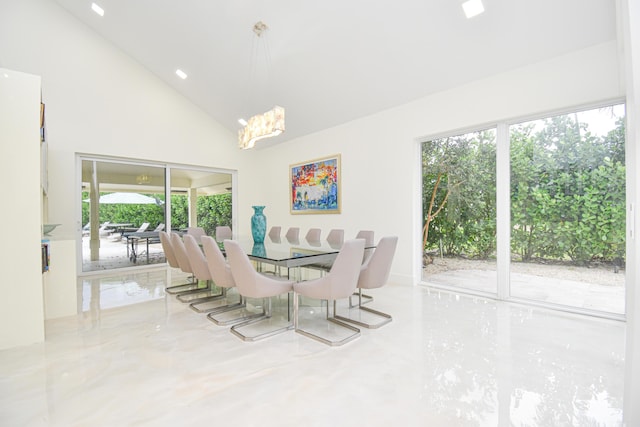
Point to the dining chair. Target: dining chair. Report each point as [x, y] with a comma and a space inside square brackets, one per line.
[375, 274]
[274, 232]
[223, 232]
[293, 234]
[185, 265]
[340, 282]
[221, 275]
[165, 241]
[335, 239]
[313, 235]
[368, 236]
[251, 284]
[200, 271]
[196, 232]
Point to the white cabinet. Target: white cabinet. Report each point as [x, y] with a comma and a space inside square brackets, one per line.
[21, 305]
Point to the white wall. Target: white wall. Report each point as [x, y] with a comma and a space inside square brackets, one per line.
[21, 304]
[380, 176]
[99, 101]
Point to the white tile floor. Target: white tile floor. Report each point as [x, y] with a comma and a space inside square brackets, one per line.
[136, 356]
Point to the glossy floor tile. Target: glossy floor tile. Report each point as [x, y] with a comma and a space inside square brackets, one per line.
[135, 356]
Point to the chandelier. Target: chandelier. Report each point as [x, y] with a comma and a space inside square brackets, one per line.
[265, 125]
[261, 126]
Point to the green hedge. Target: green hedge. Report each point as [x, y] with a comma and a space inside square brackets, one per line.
[211, 212]
[567, 193]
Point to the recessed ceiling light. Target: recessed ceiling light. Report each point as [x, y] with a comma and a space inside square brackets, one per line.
[472, 8]
[97, 9]
[181, 74]
[243, 122]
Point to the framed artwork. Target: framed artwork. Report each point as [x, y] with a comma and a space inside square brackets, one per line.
[315, 186]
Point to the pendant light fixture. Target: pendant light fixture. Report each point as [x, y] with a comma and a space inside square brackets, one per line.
[264, 125]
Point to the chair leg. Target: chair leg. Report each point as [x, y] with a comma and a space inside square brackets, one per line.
[222, 322]
[386, 318]
[360, 295]
[185, 296]
[195, 306]
[176, 289]
[334, 343]
[235, 329]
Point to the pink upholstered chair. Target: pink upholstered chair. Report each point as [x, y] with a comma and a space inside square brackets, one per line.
[165, 241]
[200, 271]
[374, 273]
[340, 282]
[293, 234]
[251, 284]
[221, 275]
[180, 252]
[223, 232]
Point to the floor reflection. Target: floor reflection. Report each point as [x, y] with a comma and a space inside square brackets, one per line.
[115, 291]
[444, 360]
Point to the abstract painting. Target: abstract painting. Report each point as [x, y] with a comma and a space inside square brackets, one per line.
[315, 186]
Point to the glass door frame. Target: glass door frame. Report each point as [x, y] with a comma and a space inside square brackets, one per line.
[503, 211]
[80, 157]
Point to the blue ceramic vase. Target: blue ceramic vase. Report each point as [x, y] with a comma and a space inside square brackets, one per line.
[259, 250]
[258, 224]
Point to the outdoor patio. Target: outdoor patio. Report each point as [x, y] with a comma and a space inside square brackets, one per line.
[113, 254]
[598, 288]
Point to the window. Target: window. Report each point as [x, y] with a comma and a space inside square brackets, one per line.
[565, 206]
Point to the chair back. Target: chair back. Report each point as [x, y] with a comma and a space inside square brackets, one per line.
[293, 233]
[196, 258]
[313, 235]
[196, 232]
[375, 271]
[143, 227]
[244, 275]
[218, 267]
[165, 240]
[345, 271]
[335, 238]
[367, 235]
[160, 227]
[181, 253]
[274, 232]
[248, 281]
[223, 232]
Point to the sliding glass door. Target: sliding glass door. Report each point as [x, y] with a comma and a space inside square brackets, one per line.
[564, 201]
[120, 197]
[568, 210]
[459, 211]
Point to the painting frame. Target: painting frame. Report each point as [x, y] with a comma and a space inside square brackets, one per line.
[315, 186]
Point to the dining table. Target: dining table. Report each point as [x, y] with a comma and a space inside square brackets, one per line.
[290, 254]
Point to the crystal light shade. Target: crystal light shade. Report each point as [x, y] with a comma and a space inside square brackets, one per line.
[262, 126]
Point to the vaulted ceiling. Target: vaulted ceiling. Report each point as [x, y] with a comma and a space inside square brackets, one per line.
[331, 61]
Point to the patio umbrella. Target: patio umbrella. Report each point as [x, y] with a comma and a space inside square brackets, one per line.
[127, 199]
